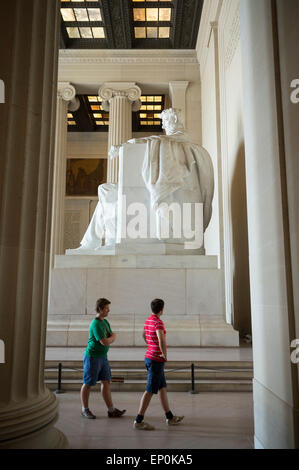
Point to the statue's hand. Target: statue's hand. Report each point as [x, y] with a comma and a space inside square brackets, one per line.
[114, 151]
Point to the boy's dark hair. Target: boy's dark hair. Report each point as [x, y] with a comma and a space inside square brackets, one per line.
[157, 305]
[101, 303]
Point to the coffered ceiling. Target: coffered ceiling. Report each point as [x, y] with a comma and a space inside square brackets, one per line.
[130, 24]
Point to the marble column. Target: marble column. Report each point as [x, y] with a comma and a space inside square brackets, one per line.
[66, 101]
[120, 99]
[29, 57]
[269, 38]
[215, 36]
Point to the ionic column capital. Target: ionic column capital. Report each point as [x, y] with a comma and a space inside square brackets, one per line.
[128, 90]
[66, 91]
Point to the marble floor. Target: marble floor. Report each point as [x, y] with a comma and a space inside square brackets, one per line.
[212, 421]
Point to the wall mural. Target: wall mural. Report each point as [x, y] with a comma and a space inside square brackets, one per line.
[84, 175]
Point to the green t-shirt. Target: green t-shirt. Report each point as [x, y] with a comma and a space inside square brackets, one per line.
[98, 330]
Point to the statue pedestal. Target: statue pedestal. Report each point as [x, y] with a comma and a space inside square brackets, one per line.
[190, 286]
[132, 272]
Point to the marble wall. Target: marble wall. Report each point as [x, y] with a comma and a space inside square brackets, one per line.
[219, 55]
[78, 211]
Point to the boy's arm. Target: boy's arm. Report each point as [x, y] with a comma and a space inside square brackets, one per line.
[110, 337]
[162, 343]
[143, 336]
[108, 341]
[99, 334]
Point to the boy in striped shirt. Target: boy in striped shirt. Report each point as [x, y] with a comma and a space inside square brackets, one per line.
[155, 357]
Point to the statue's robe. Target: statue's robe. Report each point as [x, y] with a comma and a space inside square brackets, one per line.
[174, 169]
[169, 162]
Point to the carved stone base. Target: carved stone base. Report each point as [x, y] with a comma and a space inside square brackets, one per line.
[190, 286]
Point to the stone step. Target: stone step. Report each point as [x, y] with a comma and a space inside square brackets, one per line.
[222, 365]
[140, 374]
[172, 386]
[130, 375]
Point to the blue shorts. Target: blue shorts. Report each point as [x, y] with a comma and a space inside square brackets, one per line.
[95, 369]
[155, 375]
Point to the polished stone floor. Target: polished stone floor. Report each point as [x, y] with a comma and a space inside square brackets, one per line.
[212, 421]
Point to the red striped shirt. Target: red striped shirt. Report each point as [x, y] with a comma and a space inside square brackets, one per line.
[152, 324]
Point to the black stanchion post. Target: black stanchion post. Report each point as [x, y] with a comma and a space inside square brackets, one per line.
[192, 391]
[59, 389]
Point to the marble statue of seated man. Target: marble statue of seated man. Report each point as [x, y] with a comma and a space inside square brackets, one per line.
[174, 171]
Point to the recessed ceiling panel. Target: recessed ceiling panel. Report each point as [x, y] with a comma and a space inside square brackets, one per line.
[130, 24]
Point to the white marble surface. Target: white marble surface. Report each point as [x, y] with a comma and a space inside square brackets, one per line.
[273, 419]
[106, 260]
[193, 303]
[182, 330]
[67, 291]
[242, 353]
[132, 290]
[194, 291]
[203, 292]
[212, 421]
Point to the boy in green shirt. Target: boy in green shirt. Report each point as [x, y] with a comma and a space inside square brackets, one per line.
[96, 365]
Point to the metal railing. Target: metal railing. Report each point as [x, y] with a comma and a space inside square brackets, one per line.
[120, 379]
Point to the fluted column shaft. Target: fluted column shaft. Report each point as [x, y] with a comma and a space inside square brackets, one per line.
[29, 54]
[65, 98]
[120, 130]
[119, 98]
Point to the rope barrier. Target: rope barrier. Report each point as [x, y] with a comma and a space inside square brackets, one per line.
[59, 389]
[121, 379]
[202, 369]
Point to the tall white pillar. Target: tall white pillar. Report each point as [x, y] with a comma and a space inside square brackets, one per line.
[120, 99]
[271, 130]
[177, 91]
[66, 100]
[29, 56]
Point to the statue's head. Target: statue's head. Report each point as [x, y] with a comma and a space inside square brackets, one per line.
[172, 120]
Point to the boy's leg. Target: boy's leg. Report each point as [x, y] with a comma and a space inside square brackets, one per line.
[88, 381]
[144, 402]
[164, 399]
[106, 393]
[170, 418]
[84, 395]
[105, 377]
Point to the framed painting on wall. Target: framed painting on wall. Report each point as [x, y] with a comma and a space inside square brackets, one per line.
[84, 175]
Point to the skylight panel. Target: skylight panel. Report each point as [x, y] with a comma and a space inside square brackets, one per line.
[81, 22]
[151, 23]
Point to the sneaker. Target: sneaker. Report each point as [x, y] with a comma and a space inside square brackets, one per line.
[88, 414]
[116, 413]
[143, 426]
[175, 420]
